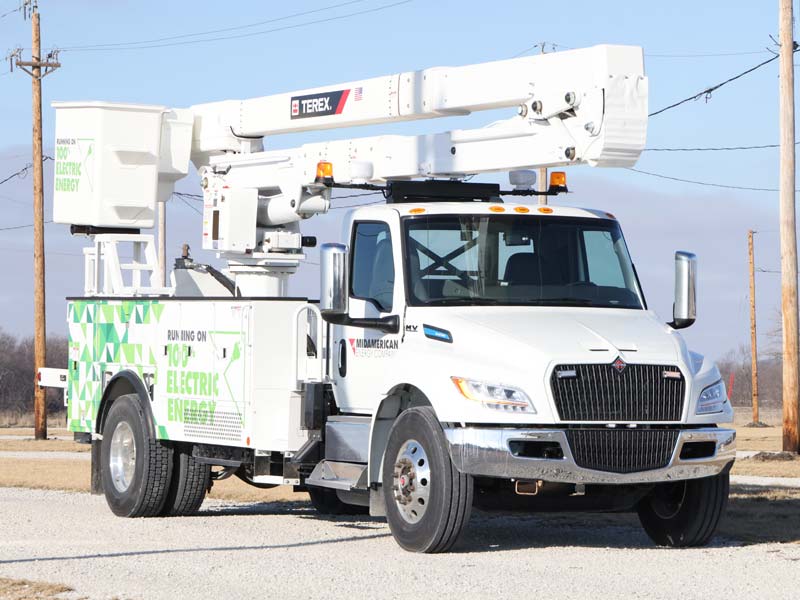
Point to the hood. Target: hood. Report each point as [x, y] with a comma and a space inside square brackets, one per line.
[579, 333]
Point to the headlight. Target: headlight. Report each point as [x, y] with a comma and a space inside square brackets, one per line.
[494, 395]
[712, 399]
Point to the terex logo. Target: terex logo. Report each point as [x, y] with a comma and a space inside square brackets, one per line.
[319, 105]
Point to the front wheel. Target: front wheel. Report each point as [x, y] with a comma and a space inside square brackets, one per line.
[684, 513]
[428, 501]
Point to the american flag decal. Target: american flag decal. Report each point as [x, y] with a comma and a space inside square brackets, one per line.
[358, 94]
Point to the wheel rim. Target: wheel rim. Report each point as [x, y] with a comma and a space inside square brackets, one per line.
[122, 456]
[668, 499]
[412, 481]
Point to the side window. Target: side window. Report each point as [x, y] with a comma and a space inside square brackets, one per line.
[603, 261]
[372, 270]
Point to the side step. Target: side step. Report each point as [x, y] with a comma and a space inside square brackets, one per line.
[339, 475]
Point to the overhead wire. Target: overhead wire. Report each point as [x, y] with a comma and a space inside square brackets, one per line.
[146, 46]
[704, 183]
[709, 90]
[24, 170]
[213, 31]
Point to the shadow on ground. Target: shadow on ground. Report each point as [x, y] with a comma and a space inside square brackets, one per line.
[755, 515]
[762, 515]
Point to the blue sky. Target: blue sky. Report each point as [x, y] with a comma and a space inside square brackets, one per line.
[658, 216]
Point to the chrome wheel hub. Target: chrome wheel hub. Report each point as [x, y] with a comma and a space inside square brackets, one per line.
[122, 456]
[411, 481]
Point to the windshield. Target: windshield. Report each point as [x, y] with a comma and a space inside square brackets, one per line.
[518, 260]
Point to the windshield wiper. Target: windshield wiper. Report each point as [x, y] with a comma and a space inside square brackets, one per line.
[579, 301]
[463, 302]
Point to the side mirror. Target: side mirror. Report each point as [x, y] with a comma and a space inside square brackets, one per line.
[334, 266]
[334, 303]
[684, 310]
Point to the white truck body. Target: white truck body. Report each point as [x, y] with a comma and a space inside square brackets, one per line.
[522, 329]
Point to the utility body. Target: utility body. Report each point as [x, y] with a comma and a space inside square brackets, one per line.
[467, 347]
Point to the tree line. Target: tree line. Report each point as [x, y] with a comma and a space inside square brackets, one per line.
[17, 376]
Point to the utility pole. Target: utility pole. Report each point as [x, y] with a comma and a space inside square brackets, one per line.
[37, 69]
[542, 175]
[753, 342]
[789, 308]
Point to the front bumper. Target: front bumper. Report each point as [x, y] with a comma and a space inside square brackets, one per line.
[486, 452]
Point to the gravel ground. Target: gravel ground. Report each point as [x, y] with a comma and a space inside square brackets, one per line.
[285, 551]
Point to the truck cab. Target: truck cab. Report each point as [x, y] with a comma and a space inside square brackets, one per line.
[525, 331]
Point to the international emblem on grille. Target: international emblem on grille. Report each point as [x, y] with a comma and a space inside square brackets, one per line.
[619, 365]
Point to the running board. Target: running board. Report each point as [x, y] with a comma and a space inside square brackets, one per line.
[339, 475]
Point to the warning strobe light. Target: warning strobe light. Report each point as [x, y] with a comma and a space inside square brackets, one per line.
[324, 172]
[558, 181]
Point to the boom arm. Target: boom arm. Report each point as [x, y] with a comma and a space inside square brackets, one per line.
[586, 106]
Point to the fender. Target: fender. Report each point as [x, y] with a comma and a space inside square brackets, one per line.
[126, 382]
[400, 398]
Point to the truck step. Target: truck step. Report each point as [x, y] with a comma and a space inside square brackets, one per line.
[339, 475]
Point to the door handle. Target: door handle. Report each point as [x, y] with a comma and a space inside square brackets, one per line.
[342, 358]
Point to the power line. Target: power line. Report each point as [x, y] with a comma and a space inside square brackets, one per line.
[11, 12]
[705, 183]
[24, 170]
[714, 149]
[212, 31]
[708, 91]
[706, 55]
[21, 226]
[186, 202]
[556, 46]
[146, 46]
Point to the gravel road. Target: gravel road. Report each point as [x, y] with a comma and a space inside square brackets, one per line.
[237, 550]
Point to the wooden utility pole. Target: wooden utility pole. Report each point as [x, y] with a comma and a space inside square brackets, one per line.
[37, 69]
[789, 308]
[753, 342]
[542, 175]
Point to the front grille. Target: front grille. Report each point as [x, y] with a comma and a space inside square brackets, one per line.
[622, 450]
[600, 393]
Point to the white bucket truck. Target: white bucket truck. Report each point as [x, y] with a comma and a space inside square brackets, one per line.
[465, 349]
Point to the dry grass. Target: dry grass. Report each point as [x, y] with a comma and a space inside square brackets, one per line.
[31, 445]
[770, 468]
[75, 476]
[762, 439]
[12, 418]
[71, 475]
[21, 589]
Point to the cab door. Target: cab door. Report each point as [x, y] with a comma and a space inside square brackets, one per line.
[363, 357]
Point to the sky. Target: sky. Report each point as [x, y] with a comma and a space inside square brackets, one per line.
[688, 47]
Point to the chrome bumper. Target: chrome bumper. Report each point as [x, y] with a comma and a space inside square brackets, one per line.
[486, 452]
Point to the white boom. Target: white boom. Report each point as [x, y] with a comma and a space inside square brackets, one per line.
[586, 106]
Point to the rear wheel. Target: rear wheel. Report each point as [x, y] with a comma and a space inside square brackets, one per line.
[135, 467]
[428, 501]
[684, 513]
[190, 482]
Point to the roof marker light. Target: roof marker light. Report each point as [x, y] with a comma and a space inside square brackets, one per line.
[522, 209]
[416, 211]
[545, 210]
[497, 209]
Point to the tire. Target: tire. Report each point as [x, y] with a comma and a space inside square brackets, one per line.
[327, 502]
[190, 482]
[684, 513]
[138, 483]
[428, 502]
